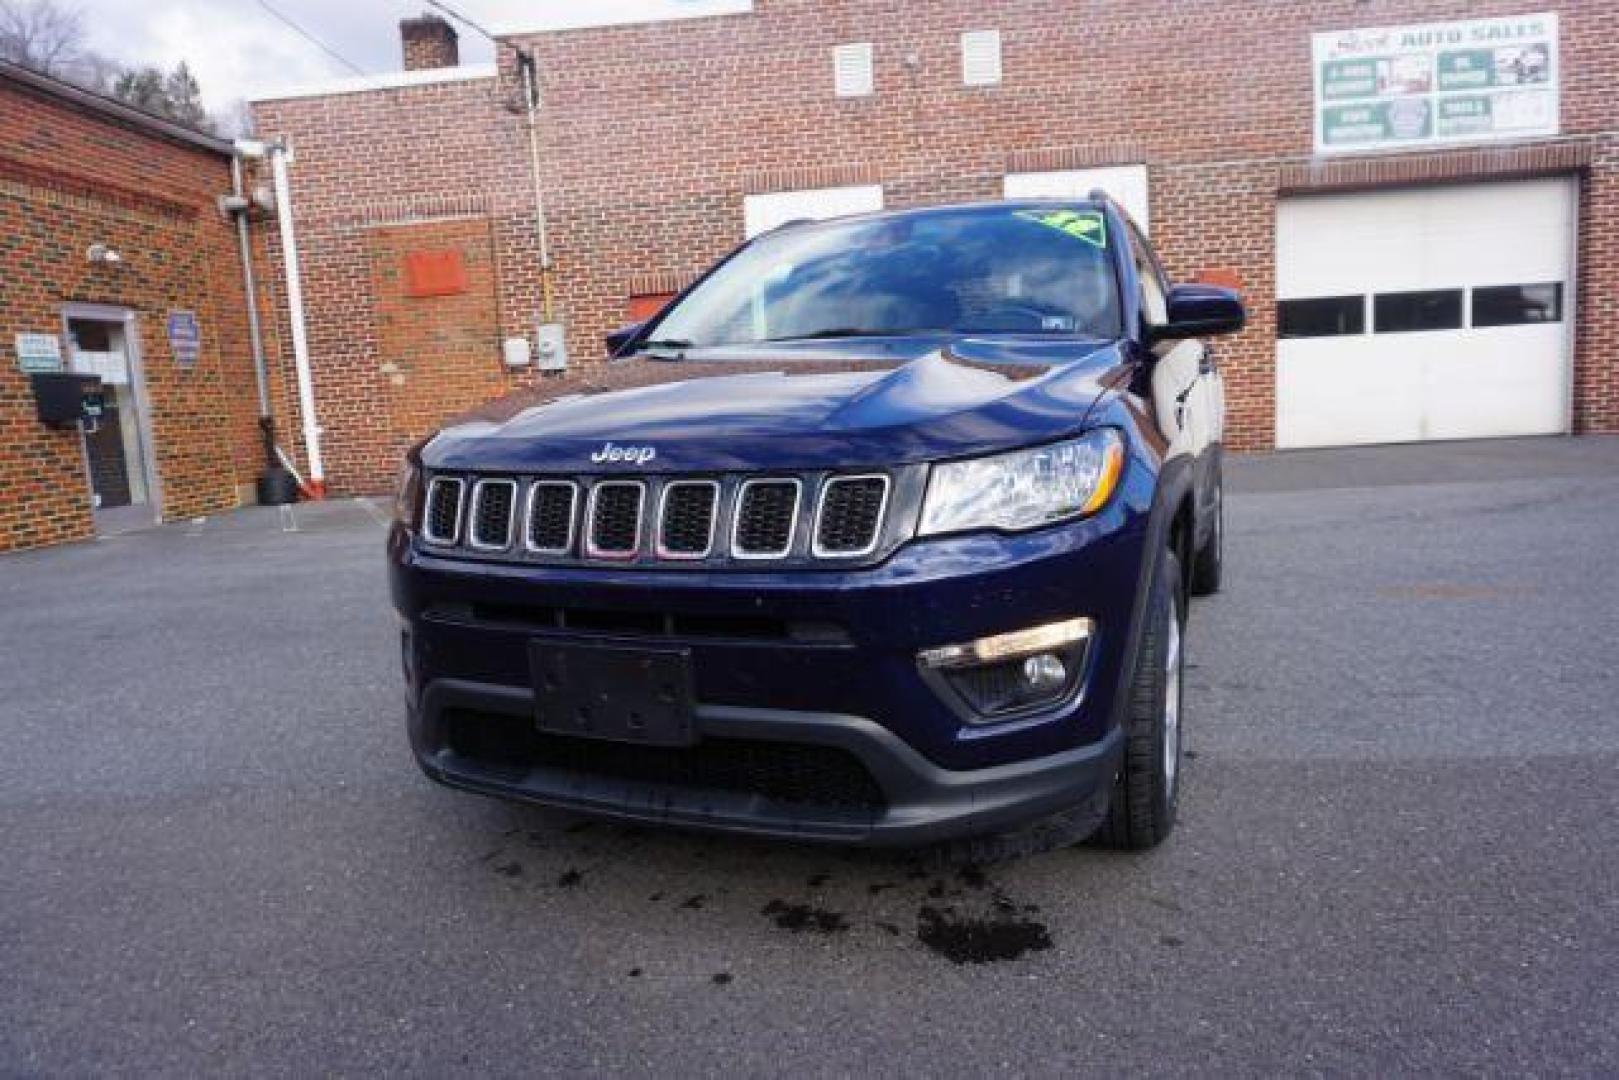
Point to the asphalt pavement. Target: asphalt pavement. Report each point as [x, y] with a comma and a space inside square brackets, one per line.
[1398, 852]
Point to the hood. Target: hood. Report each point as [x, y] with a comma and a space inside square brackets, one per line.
[801, 405]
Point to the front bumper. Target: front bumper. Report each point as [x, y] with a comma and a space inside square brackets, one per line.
[921, 804]
[857, 691]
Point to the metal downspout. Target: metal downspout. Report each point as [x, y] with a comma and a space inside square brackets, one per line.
[279, 156]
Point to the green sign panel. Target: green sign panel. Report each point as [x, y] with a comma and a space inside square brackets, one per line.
[1468, 115]
[1376, 122]
[1349, 78]
[1468, 69]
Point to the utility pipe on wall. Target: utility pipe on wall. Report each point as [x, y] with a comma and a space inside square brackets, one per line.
[280, 155]
[254, 332]
[531, 97]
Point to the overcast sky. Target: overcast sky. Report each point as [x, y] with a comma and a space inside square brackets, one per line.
[238, 49]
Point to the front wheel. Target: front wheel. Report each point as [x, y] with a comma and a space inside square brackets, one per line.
[1146, 791]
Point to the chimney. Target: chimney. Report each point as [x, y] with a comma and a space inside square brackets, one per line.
[428, 42]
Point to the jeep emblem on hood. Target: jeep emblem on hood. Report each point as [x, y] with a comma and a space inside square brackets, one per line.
[640, 455]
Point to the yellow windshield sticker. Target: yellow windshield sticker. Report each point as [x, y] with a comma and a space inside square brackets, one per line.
[1086, 225]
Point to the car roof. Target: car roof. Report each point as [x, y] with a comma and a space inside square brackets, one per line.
[923, 212]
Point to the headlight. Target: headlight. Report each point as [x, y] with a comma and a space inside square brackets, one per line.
[1027, 488]
[408, 495]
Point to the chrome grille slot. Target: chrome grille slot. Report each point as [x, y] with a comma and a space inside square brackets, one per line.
[686, 516]
[441, 521]
[552, 506]
[614, 517]
[766, 517]
[492, 504]
[850, 518]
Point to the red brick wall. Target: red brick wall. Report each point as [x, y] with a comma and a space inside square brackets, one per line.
[434, 349]
[372, 164]
[428, 42]
[653, 134]
[70, 178]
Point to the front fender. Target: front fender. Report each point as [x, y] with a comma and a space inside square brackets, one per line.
[1166, 482]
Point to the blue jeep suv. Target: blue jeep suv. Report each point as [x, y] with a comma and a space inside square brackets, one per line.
[880, 533]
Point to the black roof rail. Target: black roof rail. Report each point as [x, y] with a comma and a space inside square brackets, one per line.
[1098, 195]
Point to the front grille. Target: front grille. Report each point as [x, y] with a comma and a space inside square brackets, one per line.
[766, 513]
[441, 521]
[678, 521]
[686, 523]
[551, 506]
[492, 505]
[792, 773]
[615, 518]
[851, 515]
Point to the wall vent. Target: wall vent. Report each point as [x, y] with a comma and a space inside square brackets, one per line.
[981, 58]
[851, 70]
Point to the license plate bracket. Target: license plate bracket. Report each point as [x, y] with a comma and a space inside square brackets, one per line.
[619, 692]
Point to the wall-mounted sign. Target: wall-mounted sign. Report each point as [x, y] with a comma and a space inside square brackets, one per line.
[1397, 87]
[185, 337]
[39, 352]
[111, 367]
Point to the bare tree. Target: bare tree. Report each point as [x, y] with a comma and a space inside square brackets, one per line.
[43, 35]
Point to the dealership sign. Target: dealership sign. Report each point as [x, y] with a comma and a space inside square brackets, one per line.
[1398, 87]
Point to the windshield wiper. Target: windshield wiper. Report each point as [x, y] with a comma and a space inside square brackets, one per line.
[669, 344]
[856, 331]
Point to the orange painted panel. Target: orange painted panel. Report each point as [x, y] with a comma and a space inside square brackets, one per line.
[643, 307]
[435, 273]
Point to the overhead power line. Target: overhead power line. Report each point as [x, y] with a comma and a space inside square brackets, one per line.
[312, 39]
[460, 18]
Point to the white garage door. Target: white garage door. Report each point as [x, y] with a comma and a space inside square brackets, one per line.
[1438, 313]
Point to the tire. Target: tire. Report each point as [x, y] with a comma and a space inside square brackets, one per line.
[1209, 563]
[1146, 791]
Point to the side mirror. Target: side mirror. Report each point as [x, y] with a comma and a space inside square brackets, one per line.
[617, 339]
[1200, 311]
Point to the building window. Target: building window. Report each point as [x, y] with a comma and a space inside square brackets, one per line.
[981, 58]
[1321, 316]
[1126, 183]
[851, 70]
[1514, 305]
[1405, 312]
[761, 213]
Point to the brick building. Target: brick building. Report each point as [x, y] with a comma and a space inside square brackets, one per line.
[115, 259]
[1407, 212]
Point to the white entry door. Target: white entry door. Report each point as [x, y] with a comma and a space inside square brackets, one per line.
[1443, 312]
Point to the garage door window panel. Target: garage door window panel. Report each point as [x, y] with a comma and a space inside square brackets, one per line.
[1321, 316]
[1517, 305]
[1412, 312]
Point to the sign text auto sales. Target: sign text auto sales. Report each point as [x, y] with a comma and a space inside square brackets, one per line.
[1406, 86]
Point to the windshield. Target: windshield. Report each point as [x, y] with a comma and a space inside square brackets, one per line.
[994, 269]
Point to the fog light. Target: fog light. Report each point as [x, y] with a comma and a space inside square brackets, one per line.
[994, 677]
[1044, 671]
